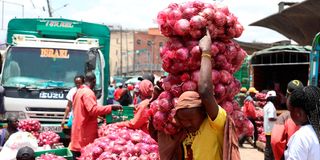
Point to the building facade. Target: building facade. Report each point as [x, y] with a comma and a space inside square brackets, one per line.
[147, 48]
[140, 52]
[121, 52]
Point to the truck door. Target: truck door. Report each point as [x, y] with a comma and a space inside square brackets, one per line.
[314, 62]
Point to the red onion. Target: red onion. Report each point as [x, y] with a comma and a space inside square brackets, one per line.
[185, 77]
[165, 105]
[197, 22]
[196, 52]
[208, 13]
[225, 77]
[215, 76]
[189, 12]
[165, 95]
[48, 138]
[176, 90]
[220, 90]
[189, 86]
[182, 54]
[182, 27]
[196, 34]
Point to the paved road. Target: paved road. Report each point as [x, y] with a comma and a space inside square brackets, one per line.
[250, 153]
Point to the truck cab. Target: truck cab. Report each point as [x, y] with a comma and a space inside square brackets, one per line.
[39, 66]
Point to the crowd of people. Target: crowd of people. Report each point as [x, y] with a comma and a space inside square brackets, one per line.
[292, 135]
[207, 132]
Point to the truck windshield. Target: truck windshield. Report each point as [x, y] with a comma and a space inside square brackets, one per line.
[43, 67]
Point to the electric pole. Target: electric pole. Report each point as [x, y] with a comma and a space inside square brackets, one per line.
[127, 52]
[49, 8]
[120, 50]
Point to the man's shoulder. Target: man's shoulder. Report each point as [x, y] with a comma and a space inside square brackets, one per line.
[220, 119]
[268, 105]
[84, 90]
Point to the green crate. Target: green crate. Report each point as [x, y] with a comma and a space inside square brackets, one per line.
[64, 152]
[128, 111]
[125, 114]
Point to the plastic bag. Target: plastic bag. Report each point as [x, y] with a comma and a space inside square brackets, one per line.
[69, 124]
[17, 141]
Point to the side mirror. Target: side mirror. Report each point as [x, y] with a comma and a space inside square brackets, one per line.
[91, 61]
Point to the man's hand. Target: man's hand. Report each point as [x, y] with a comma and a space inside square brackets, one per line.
[116, 107]
[205, 43]
[63, 122]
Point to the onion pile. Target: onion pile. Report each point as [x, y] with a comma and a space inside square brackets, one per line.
[259, 123]
[30, 125]
[50, 156]
[185, 24]
[261, 102]
[190, 19]
[48, 138]
[243, 125]
[121, 143]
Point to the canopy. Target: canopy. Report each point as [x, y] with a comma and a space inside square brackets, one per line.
[133, 80]
[300, 22]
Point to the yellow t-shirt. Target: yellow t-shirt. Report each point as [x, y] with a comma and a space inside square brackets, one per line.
[207, 142]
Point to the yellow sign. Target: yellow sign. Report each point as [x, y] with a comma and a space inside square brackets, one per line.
[54, 53]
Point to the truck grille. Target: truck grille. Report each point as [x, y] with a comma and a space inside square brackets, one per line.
[45, 114]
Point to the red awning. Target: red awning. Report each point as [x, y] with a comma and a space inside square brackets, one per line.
[300, 22]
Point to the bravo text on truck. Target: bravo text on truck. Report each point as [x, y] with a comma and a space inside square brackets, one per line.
[41, 60]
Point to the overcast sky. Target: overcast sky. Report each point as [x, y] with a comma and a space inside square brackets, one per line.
[141, 14]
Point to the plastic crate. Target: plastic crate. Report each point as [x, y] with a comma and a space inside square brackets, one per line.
[128, 112]
[121, 115]
[64, 152]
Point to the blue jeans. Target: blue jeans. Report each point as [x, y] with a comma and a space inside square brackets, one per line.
[110, 101]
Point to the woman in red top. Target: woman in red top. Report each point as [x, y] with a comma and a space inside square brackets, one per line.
[117, 93]
[284, 128]
[141, 117]
[249, 111]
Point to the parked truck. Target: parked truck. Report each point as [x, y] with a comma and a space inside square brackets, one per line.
[41, 60]
[314, 61]
[273, 68]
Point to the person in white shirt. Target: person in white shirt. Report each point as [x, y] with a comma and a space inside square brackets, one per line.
[269, 118]
[304, 107]
[78, 81]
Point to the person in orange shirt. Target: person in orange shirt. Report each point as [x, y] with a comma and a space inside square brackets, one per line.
[284, 127]
[86, 111]
[141, 117]
[249, 111]
[117, 93]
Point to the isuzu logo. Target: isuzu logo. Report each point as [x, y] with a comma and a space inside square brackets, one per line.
[51, 95]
